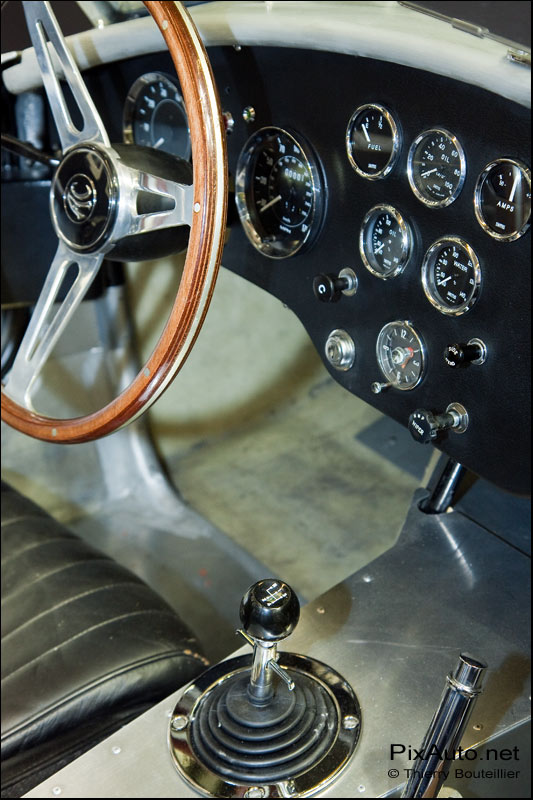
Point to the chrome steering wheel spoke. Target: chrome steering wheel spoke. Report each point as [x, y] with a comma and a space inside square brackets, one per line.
[56, 62]
[48, 323]
[157, 203]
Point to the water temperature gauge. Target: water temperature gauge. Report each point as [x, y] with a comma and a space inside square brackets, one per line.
[401, 356]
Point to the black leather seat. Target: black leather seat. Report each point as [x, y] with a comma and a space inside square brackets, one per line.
[86, 645]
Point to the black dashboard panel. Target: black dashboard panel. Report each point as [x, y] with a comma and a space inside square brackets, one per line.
[314, 94]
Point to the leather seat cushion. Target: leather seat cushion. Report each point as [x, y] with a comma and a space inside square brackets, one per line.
[82, 637]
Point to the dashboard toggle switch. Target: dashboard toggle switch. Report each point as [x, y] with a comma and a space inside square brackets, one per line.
[458, 355]
[328, 288]
[424, 426]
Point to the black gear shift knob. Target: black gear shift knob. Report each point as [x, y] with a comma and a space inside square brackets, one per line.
[269, 610]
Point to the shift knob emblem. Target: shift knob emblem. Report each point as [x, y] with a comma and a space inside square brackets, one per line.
[270, 610]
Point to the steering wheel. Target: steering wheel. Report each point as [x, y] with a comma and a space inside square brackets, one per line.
[95, 209]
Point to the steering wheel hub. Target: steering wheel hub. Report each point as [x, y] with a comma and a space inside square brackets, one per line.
[84, 198]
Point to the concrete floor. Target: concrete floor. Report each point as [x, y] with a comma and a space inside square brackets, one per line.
[279, 470]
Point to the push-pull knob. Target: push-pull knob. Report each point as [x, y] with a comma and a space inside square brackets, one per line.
[269, 612]
[458, 355]
[328, 288]
[425, 426]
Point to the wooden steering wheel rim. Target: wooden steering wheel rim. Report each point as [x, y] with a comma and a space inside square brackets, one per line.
[206, 241]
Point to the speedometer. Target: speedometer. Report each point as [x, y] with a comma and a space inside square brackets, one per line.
[279, 192]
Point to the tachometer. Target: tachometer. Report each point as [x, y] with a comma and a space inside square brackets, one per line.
[279, 192]
[436, 167]
[154, 116]
[451, 275]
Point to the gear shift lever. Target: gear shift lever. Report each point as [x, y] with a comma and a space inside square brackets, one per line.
[269, 613]
[282, 726]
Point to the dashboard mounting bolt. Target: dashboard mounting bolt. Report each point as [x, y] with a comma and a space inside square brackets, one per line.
[229, 122]
[248, 114]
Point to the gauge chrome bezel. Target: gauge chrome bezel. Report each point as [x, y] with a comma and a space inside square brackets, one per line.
[428, 282]
[502, 237]
[406, 235]
[396, 142]
[247, 157]
[410, 168]
[389, 377]
[134, 92]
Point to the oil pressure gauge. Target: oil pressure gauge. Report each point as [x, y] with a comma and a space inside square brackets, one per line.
[385, 241]
[436, 167]
[451, 275]
[401, 355]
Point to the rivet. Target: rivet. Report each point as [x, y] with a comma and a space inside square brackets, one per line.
[146, 372]
[164, 24]
[116, 750]
[197, 207]
[56, 790]
[478, 726]
[367, 578]
[321, 610]
[54, 433]
[362, 788]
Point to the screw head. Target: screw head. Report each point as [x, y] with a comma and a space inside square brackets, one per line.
[255, 791]
[179, 723]
[350, 722]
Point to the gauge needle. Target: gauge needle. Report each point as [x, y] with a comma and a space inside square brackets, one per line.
[159, 142]
[443, 281]
[515, 184]
[367, 137]
[379, 249]
[425, 174]
[409, 354]
[270, 203]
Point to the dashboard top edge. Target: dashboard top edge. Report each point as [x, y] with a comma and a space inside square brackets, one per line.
[384, 31]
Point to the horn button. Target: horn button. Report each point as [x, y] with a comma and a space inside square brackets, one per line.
[84, 198]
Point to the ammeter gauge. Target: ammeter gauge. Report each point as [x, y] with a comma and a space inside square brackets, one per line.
[372, 141]
[385, 241]
[451, 275]
[436, 167]
[401, 355]
[502, 199]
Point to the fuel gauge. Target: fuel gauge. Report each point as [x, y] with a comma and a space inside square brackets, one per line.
[372, 141]
[401, 355]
